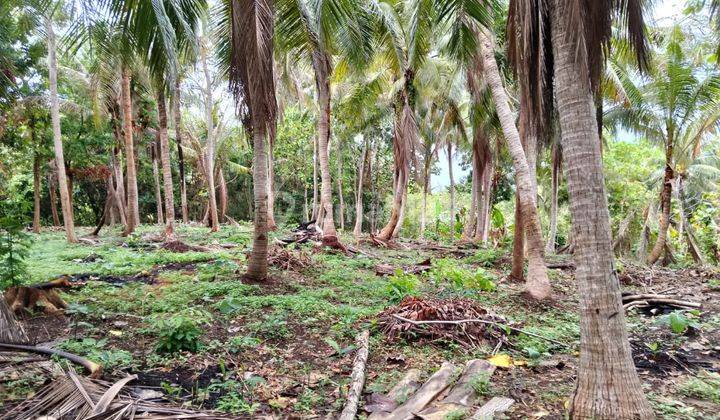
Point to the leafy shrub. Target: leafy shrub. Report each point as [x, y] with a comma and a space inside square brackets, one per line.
[96, 351]
[485, 257]
[402, 284]
[14, 245]
[449, 270]
[180, 332]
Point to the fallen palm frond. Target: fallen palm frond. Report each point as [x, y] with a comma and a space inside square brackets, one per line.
[384, 269]
[94, 369]
[73, 397]
[407, 320]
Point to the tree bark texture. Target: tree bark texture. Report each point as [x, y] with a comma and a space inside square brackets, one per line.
[181, 158]
[166, 168]
[321, 66]
[133, 211]
[665, 204]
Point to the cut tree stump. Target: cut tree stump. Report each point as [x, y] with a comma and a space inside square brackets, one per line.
[39, 297]
[400, 392]
[428, 392]
[494, 406]
[462, 396]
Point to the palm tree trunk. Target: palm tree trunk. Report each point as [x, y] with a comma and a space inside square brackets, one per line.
[688, 233]
[552, 230]
[322, 68]
[257, 266]
[426, 190]
[359, 192]
[156, 178]
[405, 128]
[271, 185]
[517, 271]
[537, 284]
[36, 188]
[484, 217]
[665, 203]
[341, 210]
[166, 168]
[471, 225]
[116, 169]
[452, 191]
[181, 159]
[315, 209]
[65, 199]
[52, 180]
[210, 143]
[607, 385]
[133, 211]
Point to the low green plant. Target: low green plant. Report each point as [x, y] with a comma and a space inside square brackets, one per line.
[14, 245]
[234, 403]
[308, 400]
[485, 257]
[679, 322]
[480, 383]
[180, 331]
[446, 269]
[705, 386]
[242, 342]
[97, 351]
[401, 284]
[273, 326]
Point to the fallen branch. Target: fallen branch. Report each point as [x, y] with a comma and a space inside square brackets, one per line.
[357, 378]
[657, 298]
[232, 221]
[481, 321]
[92, 367]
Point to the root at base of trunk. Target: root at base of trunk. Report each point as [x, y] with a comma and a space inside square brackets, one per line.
[41, 297]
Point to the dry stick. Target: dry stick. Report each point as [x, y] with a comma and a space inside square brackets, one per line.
[92, 367]
[357, 377]
[481, 321]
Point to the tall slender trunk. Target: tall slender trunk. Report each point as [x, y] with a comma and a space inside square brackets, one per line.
[210, 142]
[555, 185]
[306, 209]
[257, 266]
[537, 284]
[405, 130]
[426, 190]
[315, 204]
[517, 270]
[271, 185]
[118, 207]
[665, 202]
[608, 386]
[341, 210]
[166, 168]
[688, 233]
[156, 178]
[52, 182]
[119, 189]
[471, 225]
[181, 159]
[373, 191]
[321, 66]
[223, 194]
[359, 192]
[36, 188]
[133, 211]
[452, 191]
[57, 135]
[484, 215]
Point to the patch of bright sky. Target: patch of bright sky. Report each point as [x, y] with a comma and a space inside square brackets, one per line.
[664, 13]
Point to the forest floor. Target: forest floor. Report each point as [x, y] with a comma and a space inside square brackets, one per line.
[283, 349]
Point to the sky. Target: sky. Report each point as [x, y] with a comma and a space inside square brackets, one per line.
[664, 13]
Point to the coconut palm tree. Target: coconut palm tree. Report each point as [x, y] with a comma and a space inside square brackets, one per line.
[607, 386]
[676, 107]
[315, 34]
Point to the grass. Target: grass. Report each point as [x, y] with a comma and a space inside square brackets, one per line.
[198, 314]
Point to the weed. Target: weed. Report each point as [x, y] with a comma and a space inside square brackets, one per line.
[273, 326]
[241, 343]
[179, 332]
[446, 269]
[480, 383]
[485, 257]
[401, 285]
[308, 400]
[705, 386]
[96, 351]
[234, 403]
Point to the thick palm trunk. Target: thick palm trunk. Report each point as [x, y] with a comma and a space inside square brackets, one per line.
[271, 185]
[156, 179]
[210, 143]
[608, 386]
[452, 191]
[166, 168]
[405, 130]
[517, 271]
[359, 192]
[665, 204]
[133, 211]
[537, 284]
[119, 190]
[65, 199]
[321, 65]
[257, 266]
[555, 185]
[36, 189]
[181, 159]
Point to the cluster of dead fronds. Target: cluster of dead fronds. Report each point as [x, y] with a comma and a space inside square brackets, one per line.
[72, 396]
[457, 319]
[288, 260]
